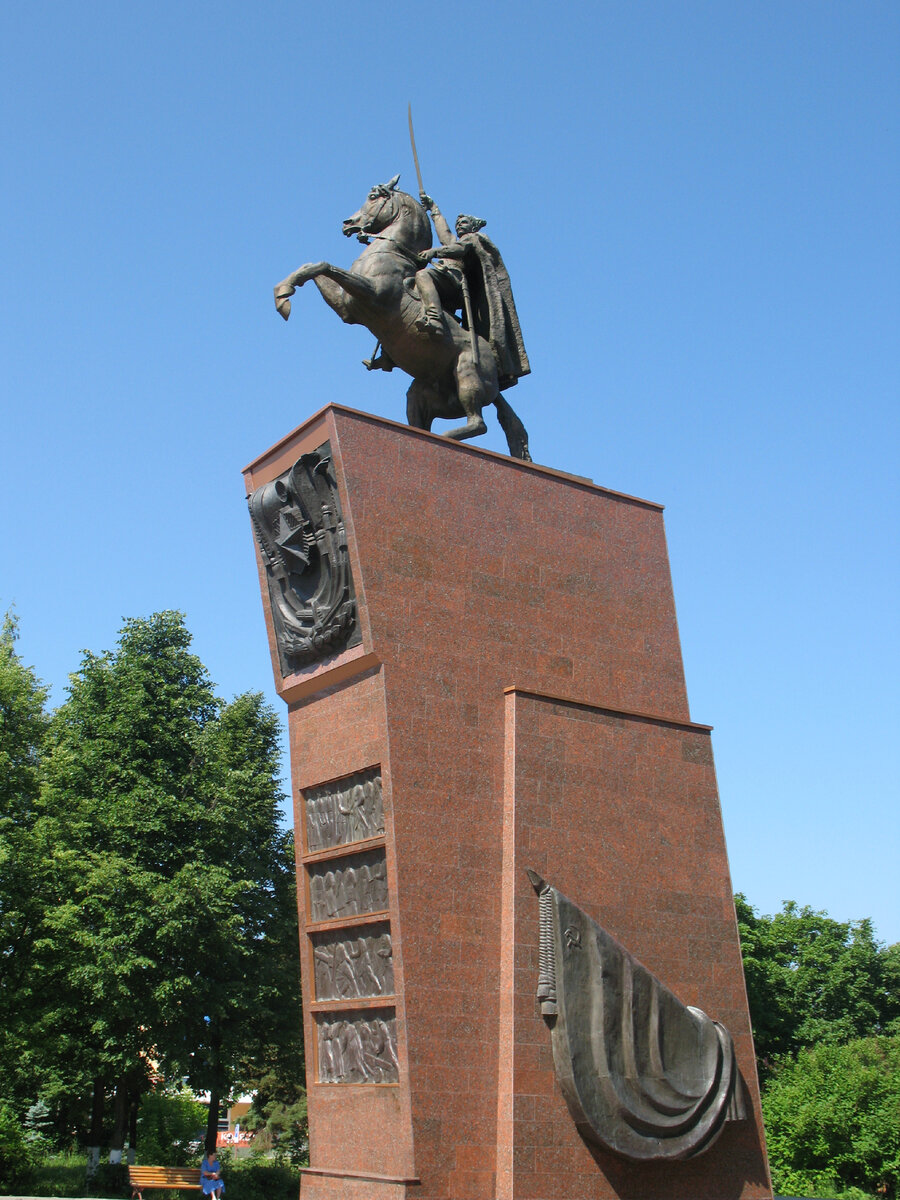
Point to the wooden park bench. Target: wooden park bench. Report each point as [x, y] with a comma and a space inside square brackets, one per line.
[142, 1178]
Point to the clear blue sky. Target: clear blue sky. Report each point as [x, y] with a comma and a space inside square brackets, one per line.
[719, 180]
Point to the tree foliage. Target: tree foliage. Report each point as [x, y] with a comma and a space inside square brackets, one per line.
[812, 979]
[168, 1128]
[160, 927]
[18, 1156]
[823, 994]
[117, 817]
[23, 725]
[833, 1120]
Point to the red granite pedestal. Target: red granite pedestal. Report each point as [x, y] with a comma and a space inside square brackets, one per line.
[519, 690]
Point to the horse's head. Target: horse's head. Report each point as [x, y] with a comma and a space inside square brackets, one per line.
[386, 208]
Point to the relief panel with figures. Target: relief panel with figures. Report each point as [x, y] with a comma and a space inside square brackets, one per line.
[348, 887]
[357, 965]
[357, 1047]
[348, 810]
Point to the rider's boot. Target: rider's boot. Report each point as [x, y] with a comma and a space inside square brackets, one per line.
[381, 362]
[431, 321]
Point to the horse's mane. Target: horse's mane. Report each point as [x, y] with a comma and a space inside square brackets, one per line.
[421, 225]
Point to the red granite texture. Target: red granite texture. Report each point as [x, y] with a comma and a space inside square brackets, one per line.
[475, 573]
[622, 815]
[349, 1187]
[355, 1127]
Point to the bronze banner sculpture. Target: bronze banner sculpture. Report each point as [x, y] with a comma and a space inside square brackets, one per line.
[642, 1074]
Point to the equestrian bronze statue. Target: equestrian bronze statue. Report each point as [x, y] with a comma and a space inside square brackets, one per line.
[445, 315]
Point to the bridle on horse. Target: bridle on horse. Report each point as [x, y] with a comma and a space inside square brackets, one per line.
[363, 233]
[364, 236]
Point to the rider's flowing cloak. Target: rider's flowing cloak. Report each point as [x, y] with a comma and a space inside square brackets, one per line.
[642, 1074]
[494, 309]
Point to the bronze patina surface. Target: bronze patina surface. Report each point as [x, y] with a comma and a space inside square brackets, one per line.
[642, 1074]
[445, 315]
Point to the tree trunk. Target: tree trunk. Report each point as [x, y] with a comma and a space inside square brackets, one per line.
[217, 1084]
[117, 1141]
[135, 1099]
[95, 1137]
[212, 1120]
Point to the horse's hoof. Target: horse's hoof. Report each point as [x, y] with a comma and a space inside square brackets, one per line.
[283, 293]
[474, 427]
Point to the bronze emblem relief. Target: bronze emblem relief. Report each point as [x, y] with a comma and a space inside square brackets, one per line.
[300, 531]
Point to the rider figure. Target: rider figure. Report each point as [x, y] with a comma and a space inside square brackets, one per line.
[474, 256]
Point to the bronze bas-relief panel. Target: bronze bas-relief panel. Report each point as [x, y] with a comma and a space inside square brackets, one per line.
[300, 532]
[358, 964]
[642, 1074]
[348, 887]
[349, 810]
[357, 1047]
[350, 963]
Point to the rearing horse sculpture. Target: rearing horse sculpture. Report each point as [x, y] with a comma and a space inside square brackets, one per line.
[454, 372]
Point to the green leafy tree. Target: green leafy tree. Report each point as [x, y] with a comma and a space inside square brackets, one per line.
[891, 968]
[118, 822]
[812, 979]
[18, 1156]
[172, 881]
[23, 725]
[281, 1126]
[240, 1012]
[833, 1120]
[168, 1126]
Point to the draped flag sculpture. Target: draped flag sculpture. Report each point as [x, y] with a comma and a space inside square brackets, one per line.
[643, 1074]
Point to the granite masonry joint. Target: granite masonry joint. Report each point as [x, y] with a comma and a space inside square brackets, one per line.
[624, 714]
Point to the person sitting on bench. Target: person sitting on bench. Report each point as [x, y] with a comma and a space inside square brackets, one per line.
[210, 1175]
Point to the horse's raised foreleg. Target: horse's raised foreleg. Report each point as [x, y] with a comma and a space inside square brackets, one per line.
[289, 285]
[516, 436]
[336, 297]
[356, 286]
